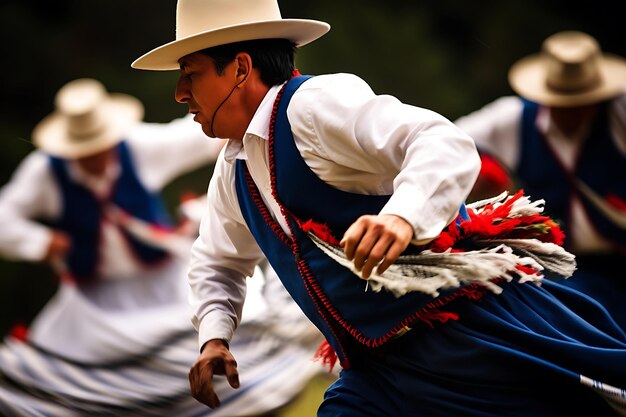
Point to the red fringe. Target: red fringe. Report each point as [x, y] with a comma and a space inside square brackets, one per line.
[326, 354]
[493, 172]
[320, 230]
[527, 270]
[439, 316]
[616, 202]
[19, 332]
[492, 222]
[187, 195]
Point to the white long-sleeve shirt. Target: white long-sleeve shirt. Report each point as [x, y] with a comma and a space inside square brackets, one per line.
[160, 151]
[496, 129]
[352, 139]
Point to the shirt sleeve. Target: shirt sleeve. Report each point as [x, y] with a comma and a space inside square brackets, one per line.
[423, 160]
[223, 255]
[30, 194]
[164, 151]
[496, 129]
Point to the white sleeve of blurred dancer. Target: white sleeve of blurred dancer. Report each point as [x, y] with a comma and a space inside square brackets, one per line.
[496, 129]
[30, 194]
[164, 151]
[223, 255]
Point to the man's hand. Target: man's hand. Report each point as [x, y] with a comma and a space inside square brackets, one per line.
[58, 247]
[215, 359]
[372, 239]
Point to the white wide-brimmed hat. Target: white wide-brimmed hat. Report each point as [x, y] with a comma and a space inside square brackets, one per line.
[570, 71]
[202, 24]
[86, 120]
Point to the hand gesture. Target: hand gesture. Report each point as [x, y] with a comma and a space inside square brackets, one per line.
[215, 359]
[58, 247]
[376, 240]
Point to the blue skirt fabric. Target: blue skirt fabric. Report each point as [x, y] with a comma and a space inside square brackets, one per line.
[531, 351]
[600, 277]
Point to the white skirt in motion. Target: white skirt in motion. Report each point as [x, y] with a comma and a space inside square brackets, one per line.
[80, 360]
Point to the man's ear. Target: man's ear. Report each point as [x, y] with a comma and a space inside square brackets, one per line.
[243, 65]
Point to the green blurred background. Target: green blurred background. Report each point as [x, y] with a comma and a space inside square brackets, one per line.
[449, 56]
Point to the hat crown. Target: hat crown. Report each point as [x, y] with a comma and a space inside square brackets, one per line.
[87, 119]
[202, 24]
[80, 101]
[198, 16]
[573, 62]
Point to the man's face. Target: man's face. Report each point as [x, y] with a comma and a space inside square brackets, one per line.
[570, 119]
[207, 94]
[96, 164]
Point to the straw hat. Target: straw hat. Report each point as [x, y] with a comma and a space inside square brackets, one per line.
[571, 70]
[202, 24]
[86, 120]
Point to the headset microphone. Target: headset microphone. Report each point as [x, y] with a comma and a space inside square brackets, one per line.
[224, 101]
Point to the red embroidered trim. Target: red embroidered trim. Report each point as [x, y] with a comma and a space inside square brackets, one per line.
[427, 314]
[256, 197]
[277, 229]
[280, 233]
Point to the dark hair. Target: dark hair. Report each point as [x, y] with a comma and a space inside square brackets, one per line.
[274, 58]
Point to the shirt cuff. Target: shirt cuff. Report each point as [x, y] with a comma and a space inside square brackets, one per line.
[215, 325]
[36, 247]
[427, 221]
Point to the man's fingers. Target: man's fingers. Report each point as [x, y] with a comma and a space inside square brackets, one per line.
[211, 399]
[201, 384]
[231, 373]
[376, 255]
[376, 242]
[351, 239]
[215, 359]
[391, 256]
[363, 251]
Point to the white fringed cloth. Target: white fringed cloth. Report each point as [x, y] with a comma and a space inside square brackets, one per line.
[144, 372]
[505, 237]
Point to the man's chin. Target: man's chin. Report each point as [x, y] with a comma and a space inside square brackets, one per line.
[206, 128]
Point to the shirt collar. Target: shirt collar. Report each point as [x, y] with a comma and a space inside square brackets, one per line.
[548, 128]
[259, 127]
[99, 184]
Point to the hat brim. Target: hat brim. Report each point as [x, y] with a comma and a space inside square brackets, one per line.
[51, 134]
[165, 57]
[528, 77]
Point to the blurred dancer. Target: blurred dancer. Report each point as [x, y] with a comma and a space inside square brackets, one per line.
[563, 139]
[116, 338]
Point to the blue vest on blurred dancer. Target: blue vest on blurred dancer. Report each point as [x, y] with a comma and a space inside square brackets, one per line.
[600, 165]
[82, 215]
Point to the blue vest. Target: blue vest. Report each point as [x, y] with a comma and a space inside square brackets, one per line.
[599, 164]
[82, 214]
[331, 296]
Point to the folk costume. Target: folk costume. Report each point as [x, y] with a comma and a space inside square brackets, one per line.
[580, 175]
[315, 156]
[360, 335]
[116, 337]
